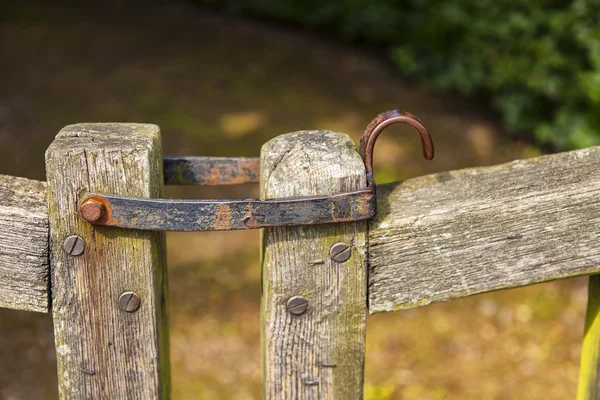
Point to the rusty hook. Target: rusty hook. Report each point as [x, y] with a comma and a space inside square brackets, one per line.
[378, 124]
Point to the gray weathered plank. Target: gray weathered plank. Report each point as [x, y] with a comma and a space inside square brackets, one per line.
[320, 354]
[454, 234]
[24, 268]
[102, 351]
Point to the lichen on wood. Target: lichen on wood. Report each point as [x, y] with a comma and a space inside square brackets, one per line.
[319, 354]
[102, 351]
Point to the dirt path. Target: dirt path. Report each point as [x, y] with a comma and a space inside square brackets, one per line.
[218, 85]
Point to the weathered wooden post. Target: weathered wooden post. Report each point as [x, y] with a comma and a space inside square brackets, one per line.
[108, 284]
[314, 277]
[589, 373]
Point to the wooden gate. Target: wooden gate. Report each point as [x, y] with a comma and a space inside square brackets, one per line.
[436, 238]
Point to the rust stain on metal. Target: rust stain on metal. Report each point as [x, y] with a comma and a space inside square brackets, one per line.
[378, 124]
[92, 210]
[95, 209]
[223, 217]
[251, 222]
[196, 215]
[210, 170]
[255, 221]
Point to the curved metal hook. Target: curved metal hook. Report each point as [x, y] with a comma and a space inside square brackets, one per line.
[378, 124]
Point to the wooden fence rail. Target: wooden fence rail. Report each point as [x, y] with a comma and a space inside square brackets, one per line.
[435, 238]
[453, 234]
[24, 268]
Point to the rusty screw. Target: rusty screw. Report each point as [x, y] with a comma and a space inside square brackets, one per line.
[340, 252]
[74, 245]
[92, 210]
[297, 305]
[129, 302]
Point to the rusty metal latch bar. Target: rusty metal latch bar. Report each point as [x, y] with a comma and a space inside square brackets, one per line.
[231, 214]
[210, 171]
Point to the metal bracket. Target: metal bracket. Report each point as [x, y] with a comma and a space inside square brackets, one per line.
[231, 214]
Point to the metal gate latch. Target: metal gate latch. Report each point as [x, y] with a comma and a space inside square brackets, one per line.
[230, 214]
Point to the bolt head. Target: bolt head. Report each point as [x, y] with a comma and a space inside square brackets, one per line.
[129, 302]
[340, 252]
[92, 210]
[297, 305]
[74, 245]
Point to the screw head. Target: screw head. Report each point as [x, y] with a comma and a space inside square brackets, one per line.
[297, 305]
[74, 245]
[129, 302]
[92, 210]
[340, 252]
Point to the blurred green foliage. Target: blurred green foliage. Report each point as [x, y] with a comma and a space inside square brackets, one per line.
[537, 62]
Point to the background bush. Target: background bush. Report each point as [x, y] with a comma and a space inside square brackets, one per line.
[537, 62]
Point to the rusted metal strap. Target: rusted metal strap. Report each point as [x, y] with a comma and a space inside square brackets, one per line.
[210, 170]
[222, 215]
[213, 215]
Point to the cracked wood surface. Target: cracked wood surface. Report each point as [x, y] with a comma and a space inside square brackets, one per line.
[320, 354]
[24, 270]
[454, 234]
[102, 351]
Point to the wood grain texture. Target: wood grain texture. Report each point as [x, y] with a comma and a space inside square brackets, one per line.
[24, 271]
[454, 234]
[103, 352]
[320, 354]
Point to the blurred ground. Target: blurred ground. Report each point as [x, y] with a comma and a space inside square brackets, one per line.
[223, 86]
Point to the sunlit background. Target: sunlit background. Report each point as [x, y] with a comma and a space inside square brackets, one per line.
[222, 81]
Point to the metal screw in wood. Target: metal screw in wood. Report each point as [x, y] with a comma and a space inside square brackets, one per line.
[340, 252]
[297, 305]
[129, 302]
[74, 245]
